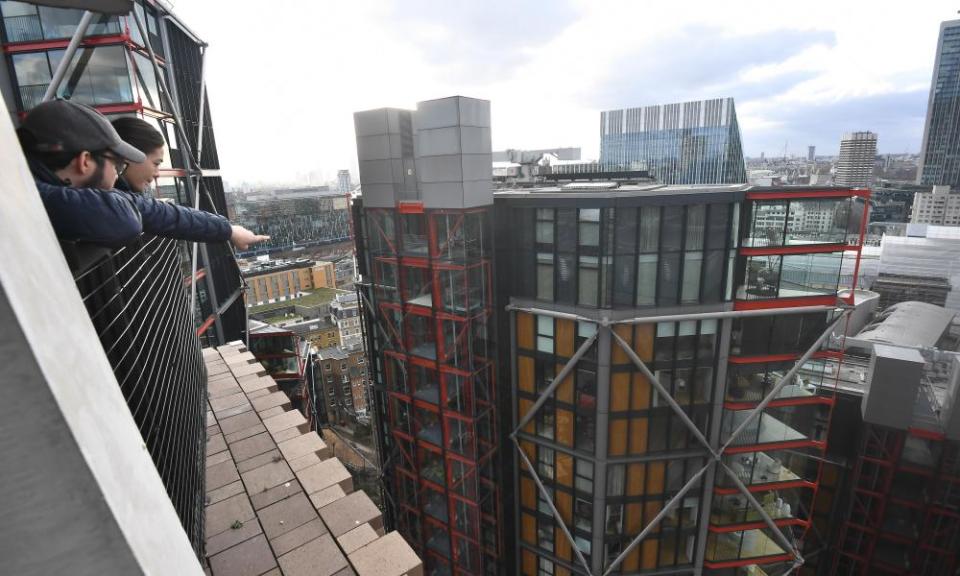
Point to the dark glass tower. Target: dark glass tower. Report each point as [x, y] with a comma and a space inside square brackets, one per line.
[940, 157]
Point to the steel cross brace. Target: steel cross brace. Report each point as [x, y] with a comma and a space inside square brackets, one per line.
[717, 455]
[541, 400]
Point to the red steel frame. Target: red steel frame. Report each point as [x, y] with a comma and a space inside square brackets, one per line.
[878, 462]
[454, 372]
[826, 397]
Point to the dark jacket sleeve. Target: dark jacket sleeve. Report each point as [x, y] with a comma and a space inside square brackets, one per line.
[180, 222]
[103, 217]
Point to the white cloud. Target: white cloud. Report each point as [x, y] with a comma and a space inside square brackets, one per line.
[285, 77]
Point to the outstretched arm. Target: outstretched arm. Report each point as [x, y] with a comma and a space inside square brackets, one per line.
[184, 223]
[101, 217]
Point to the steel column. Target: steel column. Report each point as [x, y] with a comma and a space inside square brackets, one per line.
[67, 57]
[602, 431]
[193, 193]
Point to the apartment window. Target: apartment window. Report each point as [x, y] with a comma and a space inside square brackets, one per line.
[545, 276]
[589, 227]
[589, 280]
[545, 334]
[647, 260]
[545, 221]
[693, 254]
[545, 460]
[584, 476]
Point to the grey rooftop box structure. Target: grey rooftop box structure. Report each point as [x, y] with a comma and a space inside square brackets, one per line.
[439, 154]
[894, 377]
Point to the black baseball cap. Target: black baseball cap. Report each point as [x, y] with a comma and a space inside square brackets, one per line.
[65, 126]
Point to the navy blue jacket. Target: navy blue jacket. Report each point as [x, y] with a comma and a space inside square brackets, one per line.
[115, 217]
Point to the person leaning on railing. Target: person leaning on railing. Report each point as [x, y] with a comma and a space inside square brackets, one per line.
[76, 157]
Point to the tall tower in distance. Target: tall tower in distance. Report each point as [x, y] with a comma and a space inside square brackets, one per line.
[811, 153]
[940, 155]
[855, 165]
[343, 181]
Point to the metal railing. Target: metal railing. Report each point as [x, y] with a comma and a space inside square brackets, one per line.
[139, 307]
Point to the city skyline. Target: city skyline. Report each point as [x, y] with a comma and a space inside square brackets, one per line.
[798, 78]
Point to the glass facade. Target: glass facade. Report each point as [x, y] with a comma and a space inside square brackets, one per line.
[684, 143]
[24, 22]
[624, 257]
[940, 155]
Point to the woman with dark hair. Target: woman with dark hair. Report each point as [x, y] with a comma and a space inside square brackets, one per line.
[144, 137]
[139, 176]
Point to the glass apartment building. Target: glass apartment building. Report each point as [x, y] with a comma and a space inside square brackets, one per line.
[713, 294]
[940, 155]
[569, 379]
[113, 72]
[684, 143]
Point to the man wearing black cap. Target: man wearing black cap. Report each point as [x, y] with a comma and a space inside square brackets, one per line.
[76, 156]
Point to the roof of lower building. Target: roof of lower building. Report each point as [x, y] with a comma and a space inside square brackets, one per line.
[908, 324]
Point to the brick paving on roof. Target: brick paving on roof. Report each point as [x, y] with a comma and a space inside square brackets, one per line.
[278, 501]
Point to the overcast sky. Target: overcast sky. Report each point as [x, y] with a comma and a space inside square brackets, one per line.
[284, 76]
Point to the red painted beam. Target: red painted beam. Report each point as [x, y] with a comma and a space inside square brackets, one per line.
[774, 303]
[797, 249]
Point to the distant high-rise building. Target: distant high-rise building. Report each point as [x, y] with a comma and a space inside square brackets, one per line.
[940, 156]
[811, 153]
[855, 165]
[939, 206]
[343, 181]
[683, 143]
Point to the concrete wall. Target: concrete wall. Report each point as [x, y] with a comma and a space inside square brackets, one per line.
[79, 493]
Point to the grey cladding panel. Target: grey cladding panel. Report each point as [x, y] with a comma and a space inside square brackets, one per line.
[442, 195]
[436, 114]
[894, 381]
[438, 141]
[476, 167]
[370, 122]
[376, 172]
[475, 140]
[432, 169]
[474, 112]
[373, 147]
